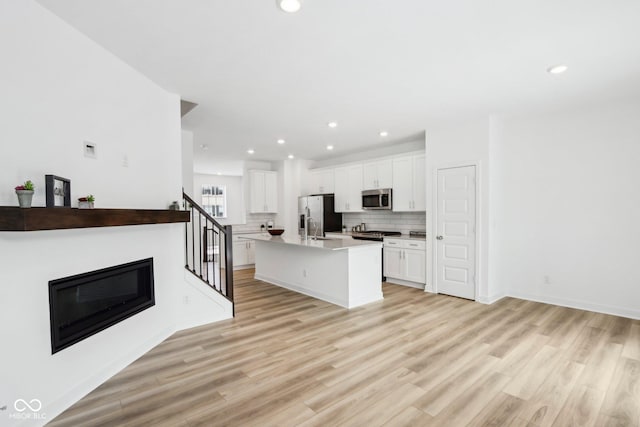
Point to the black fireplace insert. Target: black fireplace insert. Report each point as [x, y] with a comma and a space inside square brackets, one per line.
[85, 304]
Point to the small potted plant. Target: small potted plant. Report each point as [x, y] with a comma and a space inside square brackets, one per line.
[86, 202]
[25, 194]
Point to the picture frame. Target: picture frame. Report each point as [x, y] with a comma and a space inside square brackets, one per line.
[58, 191]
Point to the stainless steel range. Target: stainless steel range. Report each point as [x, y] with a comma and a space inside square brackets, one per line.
[374, 235]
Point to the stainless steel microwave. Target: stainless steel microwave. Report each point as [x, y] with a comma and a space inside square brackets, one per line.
[377, 199]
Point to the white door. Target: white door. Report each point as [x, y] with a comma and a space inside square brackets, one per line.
[455, 233]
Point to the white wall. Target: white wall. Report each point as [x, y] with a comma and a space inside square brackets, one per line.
[187, 162]
[58, 89]
[464, 143]
[570, 204]
[291, 176]
[235, 201]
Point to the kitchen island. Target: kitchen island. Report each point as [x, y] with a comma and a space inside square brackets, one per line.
[339, 271]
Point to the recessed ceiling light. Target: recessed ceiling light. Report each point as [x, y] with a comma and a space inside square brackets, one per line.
[289, 6]
[219, 173]
[281, 141]
[557, 69]
[290, 156]
[329, 147]
[250, 151]
[332, 124]
[384, 133]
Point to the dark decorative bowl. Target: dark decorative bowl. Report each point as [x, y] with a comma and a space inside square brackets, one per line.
[275, 231]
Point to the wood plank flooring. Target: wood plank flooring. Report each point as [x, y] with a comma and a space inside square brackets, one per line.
[414, 359]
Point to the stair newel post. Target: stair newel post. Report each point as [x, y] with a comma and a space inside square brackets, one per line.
[228, 249]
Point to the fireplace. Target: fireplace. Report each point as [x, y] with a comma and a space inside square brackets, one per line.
[85, 304]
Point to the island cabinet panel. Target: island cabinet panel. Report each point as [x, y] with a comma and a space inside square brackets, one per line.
[409, 190]
[263, 191]
[348, 189]
[345, 272]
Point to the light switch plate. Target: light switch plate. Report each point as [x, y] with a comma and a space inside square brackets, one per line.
[90, 149]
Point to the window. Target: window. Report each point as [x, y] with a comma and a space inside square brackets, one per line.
[214, 200]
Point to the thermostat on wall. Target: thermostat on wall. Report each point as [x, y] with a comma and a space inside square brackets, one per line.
[90, 149]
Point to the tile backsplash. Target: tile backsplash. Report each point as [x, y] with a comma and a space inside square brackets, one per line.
[253, 222]
[387, 221]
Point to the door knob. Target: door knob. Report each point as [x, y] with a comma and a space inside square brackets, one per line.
[439, 237]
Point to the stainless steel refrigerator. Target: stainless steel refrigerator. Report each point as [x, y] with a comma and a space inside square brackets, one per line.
[317, 214]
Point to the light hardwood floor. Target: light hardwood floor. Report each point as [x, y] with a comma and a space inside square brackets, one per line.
[414, 359]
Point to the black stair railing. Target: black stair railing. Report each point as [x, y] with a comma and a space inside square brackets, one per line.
[208, 249]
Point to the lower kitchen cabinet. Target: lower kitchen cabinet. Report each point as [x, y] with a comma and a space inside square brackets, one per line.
[405, 262]
[244, 254]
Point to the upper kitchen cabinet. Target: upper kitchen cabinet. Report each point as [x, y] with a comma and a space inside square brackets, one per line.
[378, 174]
[321, 181]
[409, 183]
[349, 189]
[263, 191]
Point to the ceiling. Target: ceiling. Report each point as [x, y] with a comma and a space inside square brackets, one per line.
[259, 74]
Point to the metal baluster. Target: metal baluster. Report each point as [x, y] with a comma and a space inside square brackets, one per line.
[186, 245]
[193, 241]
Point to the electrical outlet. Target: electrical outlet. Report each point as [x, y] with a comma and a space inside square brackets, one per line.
[185, 299]
[547, 280]
[125, 161]
[304, 273]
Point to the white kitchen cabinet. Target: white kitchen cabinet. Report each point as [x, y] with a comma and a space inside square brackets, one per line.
[322, 181]
[405, 262]
[244, 255]
[392, 262]
[263, 191]
[348, 190]
[409, 191]
[378, 174]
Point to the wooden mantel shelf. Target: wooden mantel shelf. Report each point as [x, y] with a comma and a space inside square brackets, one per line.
[34, 219]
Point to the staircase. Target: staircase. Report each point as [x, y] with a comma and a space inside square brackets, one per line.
[208, 249]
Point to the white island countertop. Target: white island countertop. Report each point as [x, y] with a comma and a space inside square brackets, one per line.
[322, 243]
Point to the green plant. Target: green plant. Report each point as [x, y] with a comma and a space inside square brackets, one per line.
[88, 198]
[28, 185]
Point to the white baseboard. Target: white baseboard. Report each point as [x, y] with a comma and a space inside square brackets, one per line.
[296, 288]
[581, 305]
[405, 283]
[78, 392]
[211, 307]
[483, 299]
[316, 294]
[360, 303]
